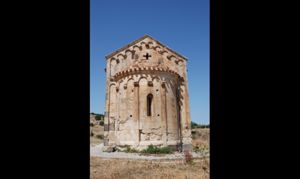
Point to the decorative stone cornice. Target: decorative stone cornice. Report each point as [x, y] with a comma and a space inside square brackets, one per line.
[137, 70]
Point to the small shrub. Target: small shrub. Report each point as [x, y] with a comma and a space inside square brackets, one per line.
[99, 136]
[92, 124]
[188, 158]
[99, 117]
[101, 123]
[92, 134]
[194, 125]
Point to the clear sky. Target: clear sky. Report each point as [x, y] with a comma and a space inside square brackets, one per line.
[182, 25]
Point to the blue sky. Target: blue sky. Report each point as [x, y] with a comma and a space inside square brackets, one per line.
[182, 25]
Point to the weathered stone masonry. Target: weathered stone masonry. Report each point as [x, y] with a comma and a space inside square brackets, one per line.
[147, 99]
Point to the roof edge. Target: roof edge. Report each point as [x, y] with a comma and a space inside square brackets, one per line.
[140, 39]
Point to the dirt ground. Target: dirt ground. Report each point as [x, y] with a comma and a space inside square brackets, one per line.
[133, 169]
[101, 168]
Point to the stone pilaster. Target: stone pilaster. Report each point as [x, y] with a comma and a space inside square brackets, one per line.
[186, 120]
[164, 113]
[136, 111]
[107, 101]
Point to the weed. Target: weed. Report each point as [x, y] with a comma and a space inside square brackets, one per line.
[99, 136]
[188, 158]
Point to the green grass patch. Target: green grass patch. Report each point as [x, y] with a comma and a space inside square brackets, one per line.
[157, 150]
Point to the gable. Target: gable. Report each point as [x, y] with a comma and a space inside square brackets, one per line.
[145, 53]
[145, 43]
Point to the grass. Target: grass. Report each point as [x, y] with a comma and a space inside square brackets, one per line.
[201, 149]
[156, 150]
[130, 150]
[150, 150]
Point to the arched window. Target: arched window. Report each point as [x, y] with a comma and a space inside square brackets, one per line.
[149, 102]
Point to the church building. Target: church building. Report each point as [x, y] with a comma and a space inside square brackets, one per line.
[147, 99]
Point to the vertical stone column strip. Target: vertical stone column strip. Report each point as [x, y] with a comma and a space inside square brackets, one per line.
[186, 125]
[164, 112]
[179, 111]
[137, 113]
[118, 98]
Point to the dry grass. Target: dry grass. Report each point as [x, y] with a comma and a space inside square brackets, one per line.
[129, 169]
[97, 130]
[200, 138]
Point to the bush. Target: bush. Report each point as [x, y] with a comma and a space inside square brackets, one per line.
[92, 134]
[92, 124]
[99, 117]
[195, 125]
[156, 150]
[203, 126]
[99, 136]
[101, 123]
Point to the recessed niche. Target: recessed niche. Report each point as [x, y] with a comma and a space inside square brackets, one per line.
[157, 114]
[130, 115]
[131, 90]
[156, 89]
[150, 83]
